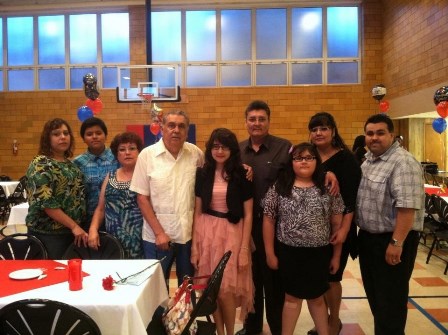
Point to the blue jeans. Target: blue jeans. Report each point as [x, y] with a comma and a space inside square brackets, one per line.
[179, 252]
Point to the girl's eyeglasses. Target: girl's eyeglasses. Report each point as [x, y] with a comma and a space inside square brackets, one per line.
[301, 159]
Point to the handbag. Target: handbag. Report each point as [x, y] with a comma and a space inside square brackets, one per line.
[179, 309]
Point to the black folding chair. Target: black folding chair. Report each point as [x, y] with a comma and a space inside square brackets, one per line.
[18, 196]
[430, 223]
[110, 248]
[45, 317]
[204, 306]
[22, 246]
[4, 206]
[441, 233]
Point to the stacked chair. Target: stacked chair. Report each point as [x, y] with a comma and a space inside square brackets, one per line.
[440, 233]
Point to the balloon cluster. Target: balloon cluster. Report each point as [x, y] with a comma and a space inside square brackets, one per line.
[156, 117]
[378, 93]
[93, 105]
[441, 102]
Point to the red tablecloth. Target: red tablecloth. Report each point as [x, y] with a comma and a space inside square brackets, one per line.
[10, 286]
[436, 190]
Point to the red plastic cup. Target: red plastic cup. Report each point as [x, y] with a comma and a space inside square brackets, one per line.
[75, 274]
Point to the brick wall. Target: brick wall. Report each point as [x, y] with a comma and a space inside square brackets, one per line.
[415, 45]
[24, 113]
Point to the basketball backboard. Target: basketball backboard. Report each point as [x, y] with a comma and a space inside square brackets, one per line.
[135, 81]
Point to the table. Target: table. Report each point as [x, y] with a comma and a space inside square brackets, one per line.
[127, 309]
[18, 213]
[9, 186]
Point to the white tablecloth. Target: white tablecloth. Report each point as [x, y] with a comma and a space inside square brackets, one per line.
[18, 214]
[9, 186]
[127, 309]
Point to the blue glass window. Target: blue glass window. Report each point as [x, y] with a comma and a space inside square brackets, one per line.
[306, 31]
[83, 39]
[201, 76]
[51, 79]
[342, 31]
[235, 75]
[236, 35]
[343, 73]
[51, 37]
[21, 80]
[115, 37]
[201, 35]
[1, 44]
[307, 74]
[271, 33]
[76, 75]
[110, 77]
[20, 41]
[271, 74]
[166, 36]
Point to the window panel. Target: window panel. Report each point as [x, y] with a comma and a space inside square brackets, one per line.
[201, 35]
[166, 36]
[110, 77]
[343, 73]
[271, 74]
[115, 37]
[271, 33]
[236, 75]
[307, 74]
[342, 31]
[77, 74]
[21, 80]
[236, 35]
[51, 79]
[306, 31]
[51, 37]
[83, 39]
[20, 41]
[201, 76]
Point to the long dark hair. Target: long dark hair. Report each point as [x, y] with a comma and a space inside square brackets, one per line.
[45, 138]
[286, 178]
[227, 138]
[326, 119]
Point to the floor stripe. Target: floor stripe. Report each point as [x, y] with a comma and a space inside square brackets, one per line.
[429, 317]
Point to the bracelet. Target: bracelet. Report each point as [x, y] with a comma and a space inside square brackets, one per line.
[244, 248]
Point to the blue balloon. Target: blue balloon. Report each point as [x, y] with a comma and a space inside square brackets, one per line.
[84, 113]
[439, 125]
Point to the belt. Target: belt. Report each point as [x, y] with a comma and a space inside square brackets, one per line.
[217, 214]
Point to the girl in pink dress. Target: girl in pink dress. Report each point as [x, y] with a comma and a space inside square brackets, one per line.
[222, 222]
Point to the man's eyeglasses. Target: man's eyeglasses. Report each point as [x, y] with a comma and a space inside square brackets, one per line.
[254, 119]
[216, 147]
[321, 129]
[301, 159]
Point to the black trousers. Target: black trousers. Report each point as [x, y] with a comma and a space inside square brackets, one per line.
[266, 281]
[387, 286]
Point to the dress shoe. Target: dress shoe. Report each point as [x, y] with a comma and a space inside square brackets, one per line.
[312, 332]
[243, 331]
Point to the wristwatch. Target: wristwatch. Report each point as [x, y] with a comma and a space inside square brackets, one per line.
[396, 243]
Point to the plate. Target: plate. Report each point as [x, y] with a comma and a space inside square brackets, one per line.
[25, 274]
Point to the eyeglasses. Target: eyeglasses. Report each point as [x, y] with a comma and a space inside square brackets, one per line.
[321, 129]
[254, 119]
[173, 125]
[301, 159]
[216, 147]
[124, 149]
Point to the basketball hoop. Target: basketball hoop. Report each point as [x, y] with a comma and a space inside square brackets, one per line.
[146, 99]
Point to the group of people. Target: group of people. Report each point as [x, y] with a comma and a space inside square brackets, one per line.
[289, 214]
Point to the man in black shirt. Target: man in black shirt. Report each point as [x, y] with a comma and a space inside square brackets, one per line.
[266, 154]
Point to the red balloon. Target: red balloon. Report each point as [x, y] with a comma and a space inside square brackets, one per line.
[95, 105]
[154, 128]
[442, 108]
[384, 106]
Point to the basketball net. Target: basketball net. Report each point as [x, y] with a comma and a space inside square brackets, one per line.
[146, 99]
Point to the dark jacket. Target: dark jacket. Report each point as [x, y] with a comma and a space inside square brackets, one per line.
[238, 191]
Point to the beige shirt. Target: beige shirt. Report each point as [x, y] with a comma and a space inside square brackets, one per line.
[170, 184]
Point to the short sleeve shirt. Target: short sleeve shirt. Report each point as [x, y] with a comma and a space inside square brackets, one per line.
[170, 184]
[390, 181]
